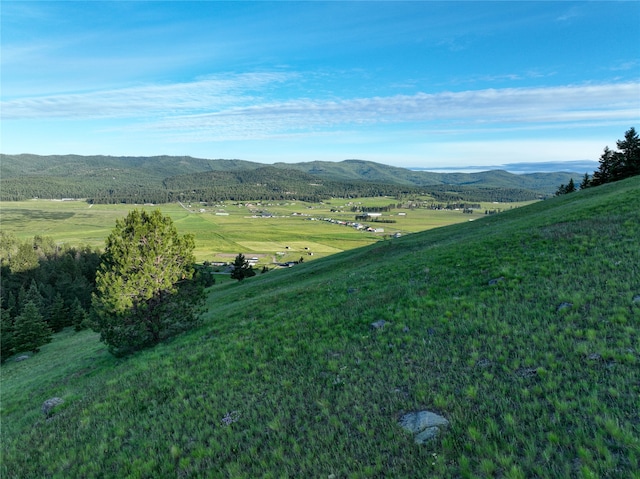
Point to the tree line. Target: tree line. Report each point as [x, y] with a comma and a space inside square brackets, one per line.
[612, 165]
[45, 287]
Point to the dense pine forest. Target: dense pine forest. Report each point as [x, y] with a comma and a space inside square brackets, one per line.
[43, 283]
[130, 180]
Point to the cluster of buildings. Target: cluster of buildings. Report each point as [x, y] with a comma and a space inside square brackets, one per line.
[352, 224]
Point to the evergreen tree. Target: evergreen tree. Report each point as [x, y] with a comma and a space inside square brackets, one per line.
[143, 288]
[11, 304]
[58, 314]
[629, 153]
[586, 182]
[604, 172]
[78, 316]
[562, 190]
[204, 276]
[618, 165]
[30, 331]
[568, 188]
[32, 295]
[241, 268]
[6, 334]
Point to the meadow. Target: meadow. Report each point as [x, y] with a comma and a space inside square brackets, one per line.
[522, 329]
[222, 231]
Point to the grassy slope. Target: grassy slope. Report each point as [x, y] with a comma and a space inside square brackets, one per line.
[311, 390]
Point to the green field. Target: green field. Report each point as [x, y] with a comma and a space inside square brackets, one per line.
[228, 228]
[538, 371]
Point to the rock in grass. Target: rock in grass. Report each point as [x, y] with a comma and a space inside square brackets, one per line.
[636, 299]
[378, 324]
[564, 305]
[49, 404]
[22, 358]
[425, 425]
[426, 435]
[496, 280]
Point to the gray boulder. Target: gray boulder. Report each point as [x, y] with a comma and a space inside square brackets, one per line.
[425, 425]
[49, 404]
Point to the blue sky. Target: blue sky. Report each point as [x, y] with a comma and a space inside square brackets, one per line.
[412, 84]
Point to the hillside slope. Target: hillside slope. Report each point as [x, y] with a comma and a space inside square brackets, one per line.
[522, 329]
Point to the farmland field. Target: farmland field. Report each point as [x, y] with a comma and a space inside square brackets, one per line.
[274, 231]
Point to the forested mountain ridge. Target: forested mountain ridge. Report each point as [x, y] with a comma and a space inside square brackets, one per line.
[158, 179]
[367, 170]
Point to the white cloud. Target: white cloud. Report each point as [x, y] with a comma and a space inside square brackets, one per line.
[205, 94]
[554, 105]
[246, 106]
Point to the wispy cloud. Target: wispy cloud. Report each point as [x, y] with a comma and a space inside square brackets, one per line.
[570, 14]
[248, 106]
[207, 94]
[625, 65]
[556, 105]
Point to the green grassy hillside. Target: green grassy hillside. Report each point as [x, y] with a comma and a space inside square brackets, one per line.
[537, 373]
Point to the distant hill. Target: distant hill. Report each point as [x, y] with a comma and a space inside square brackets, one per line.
[164, 178]
[545, 183]
[584, 166]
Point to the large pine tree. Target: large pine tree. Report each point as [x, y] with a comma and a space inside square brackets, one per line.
[144, 288]
[30, 331]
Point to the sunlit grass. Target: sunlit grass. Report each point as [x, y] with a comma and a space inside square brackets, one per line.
[286, 378]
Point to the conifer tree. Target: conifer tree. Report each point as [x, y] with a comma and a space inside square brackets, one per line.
[30, 331]
[58, 314]
[586, 181]
[6, 334]
[32, 295]
[630, 153]
[78, 316]
[241, 268]
[618, 165]
[144, 291]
